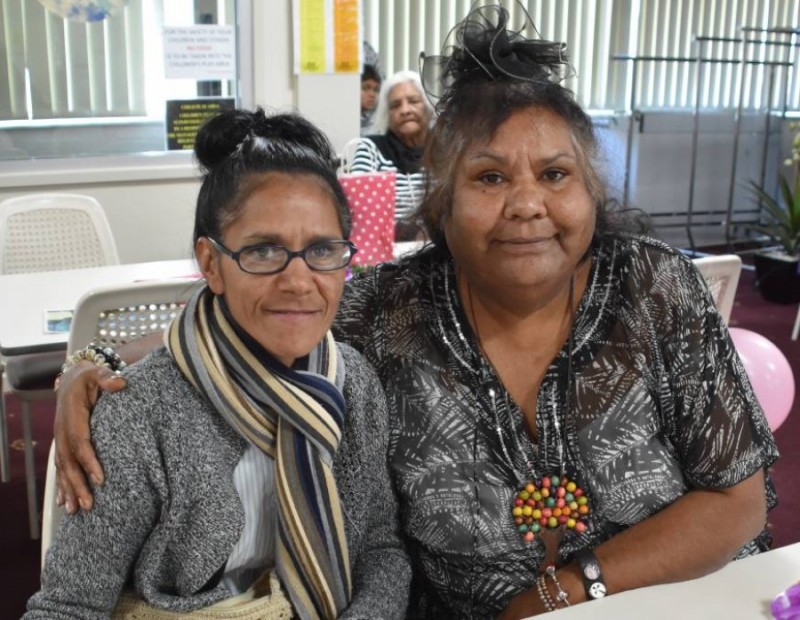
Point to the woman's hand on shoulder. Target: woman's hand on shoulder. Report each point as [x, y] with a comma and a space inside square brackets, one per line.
[78, 390]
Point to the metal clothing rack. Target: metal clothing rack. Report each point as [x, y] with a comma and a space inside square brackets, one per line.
[700, 60]
[790, 48]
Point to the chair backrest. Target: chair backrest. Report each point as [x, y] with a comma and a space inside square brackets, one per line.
[348, 153]
[721, 273]
[51, 232]
[114, 315]
[51, 512]
[111, 316]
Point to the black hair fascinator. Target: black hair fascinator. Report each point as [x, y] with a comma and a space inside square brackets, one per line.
[482, 48]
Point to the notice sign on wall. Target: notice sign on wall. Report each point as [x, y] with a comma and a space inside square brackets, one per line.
[184, 118]
[202, 52]
[327, 36]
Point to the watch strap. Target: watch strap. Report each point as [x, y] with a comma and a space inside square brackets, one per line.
[592, 577]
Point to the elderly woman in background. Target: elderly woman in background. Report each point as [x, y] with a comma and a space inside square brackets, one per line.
[251, 442]
[568, 413]
[395, 143]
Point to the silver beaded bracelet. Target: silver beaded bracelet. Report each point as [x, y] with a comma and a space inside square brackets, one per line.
[562, 596]
[544, 594]
[100, 356]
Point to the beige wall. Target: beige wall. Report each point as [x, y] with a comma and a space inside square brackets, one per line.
[150, 220]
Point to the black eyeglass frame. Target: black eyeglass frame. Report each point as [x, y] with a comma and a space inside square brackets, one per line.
[290, 254]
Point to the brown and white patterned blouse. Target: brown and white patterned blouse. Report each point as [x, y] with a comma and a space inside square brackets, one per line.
[659, 403]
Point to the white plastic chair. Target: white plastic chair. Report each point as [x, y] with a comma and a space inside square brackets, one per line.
[112, 316]
[51, 511]
[50, 232]
[796, 327]
[721, 273]
[348, 153]
[45, 232]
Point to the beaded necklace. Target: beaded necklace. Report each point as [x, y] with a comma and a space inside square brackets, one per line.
[548, 502]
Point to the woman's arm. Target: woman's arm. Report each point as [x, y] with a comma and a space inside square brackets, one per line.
[78, 391]
[381, 571]
[94, 552]
[722, 442]
[696, 535]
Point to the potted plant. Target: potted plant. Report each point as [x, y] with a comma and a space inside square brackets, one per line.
[777, 267]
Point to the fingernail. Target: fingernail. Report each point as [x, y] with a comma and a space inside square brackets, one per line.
[59, 498]
[83, 504]
[95, 480]
[69, 507]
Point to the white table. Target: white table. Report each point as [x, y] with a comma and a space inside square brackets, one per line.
[742, 590]
[26, 296]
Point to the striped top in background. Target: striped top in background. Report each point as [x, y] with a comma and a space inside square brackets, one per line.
[409, 188]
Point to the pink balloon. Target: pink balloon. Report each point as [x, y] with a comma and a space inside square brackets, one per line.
[769, 372]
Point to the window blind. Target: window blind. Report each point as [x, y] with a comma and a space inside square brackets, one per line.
[715, 31]
[58, 68]
[595, 30]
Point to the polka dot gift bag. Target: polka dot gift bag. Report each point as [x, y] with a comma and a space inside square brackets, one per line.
[371, 197]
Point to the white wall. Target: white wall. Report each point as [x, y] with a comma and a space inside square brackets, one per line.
[148, 200]
[665, 184]
[150, 220]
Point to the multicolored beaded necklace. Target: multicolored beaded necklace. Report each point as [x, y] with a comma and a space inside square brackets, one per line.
[548, 505]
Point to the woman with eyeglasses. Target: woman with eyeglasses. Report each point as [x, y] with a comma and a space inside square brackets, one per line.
[245, 463]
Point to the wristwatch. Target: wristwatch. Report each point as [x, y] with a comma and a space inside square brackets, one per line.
[590, 572]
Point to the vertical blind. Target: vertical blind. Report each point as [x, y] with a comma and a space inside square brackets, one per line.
[723, 33]
[58, 68]
[597, 30]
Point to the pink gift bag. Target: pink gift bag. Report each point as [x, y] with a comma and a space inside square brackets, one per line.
[371, 196]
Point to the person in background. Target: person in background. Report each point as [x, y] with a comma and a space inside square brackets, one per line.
[395, 143]
[253, 442]
[371, 57]
[540, 354]
[370, 87]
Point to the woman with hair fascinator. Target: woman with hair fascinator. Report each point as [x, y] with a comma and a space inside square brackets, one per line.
[569, 415]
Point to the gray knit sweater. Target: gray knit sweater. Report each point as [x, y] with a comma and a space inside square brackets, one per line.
[168, 515]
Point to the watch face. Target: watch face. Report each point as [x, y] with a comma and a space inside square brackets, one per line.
[591, 570]
[597, 590]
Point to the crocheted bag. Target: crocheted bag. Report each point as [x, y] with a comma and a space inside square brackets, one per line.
[265, 600]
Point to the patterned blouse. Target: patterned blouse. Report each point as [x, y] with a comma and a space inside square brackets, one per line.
[658, 403]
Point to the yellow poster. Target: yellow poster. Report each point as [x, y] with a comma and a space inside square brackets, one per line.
[312, 36]
[327, 36]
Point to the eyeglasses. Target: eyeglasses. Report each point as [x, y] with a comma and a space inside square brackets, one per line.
[268, 258]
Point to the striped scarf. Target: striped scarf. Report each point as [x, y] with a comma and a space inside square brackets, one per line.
[293, 415]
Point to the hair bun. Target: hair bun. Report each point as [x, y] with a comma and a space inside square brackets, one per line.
[231, 131]
[482, 48]
[221, 135]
